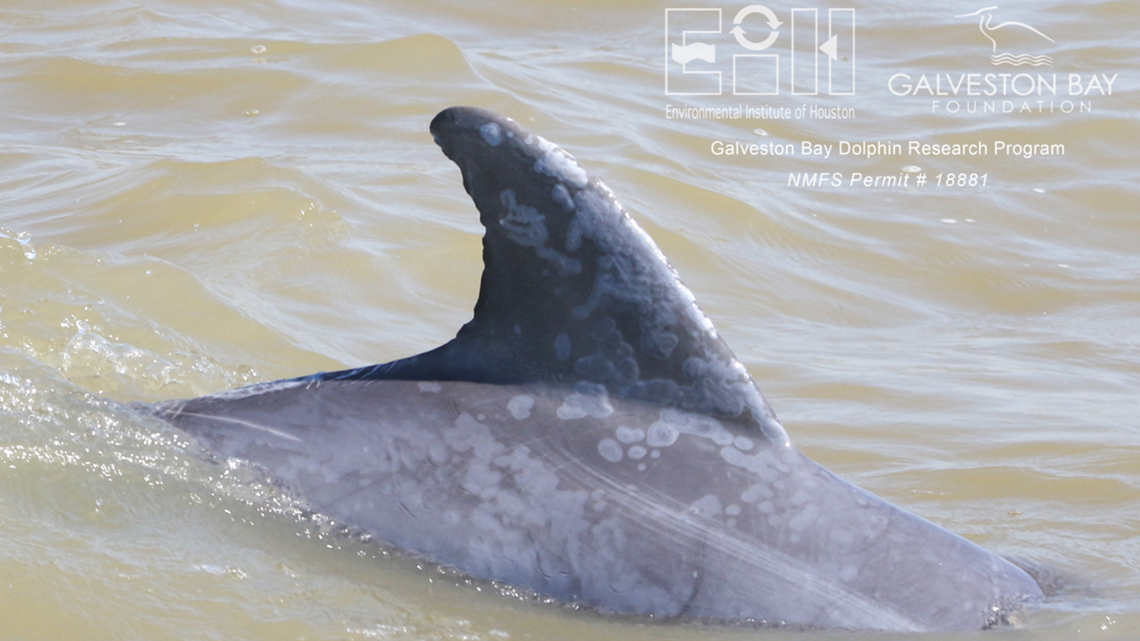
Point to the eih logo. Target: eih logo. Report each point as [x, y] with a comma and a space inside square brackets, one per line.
[693, 35]
[1019, 38]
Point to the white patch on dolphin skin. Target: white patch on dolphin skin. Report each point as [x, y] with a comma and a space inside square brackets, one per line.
[673, 422]
[430, 387]
[525, 226]
[806, 517]
[695, 313]
[520, 406]
[561, 165]
[562, 346]
[470, 434]
[566, 265]
[518, 495]
[637, 452]
[610, 450]
[732, 510]
[573, 231]
[629, 434]
[437, 453]
[491, 134]
[599, 500]
[480, 480]
[561, 195]
[707, 506]
[743, 443]
[523, 223]
[543, 144]
[661, 435]
[578, 405]
[757, 492]
[733, 388]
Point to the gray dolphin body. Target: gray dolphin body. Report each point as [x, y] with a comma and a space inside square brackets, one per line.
[589, 435]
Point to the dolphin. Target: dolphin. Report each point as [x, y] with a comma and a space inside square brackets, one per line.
[588, 435]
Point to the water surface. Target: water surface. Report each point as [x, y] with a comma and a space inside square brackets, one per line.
[201, 195]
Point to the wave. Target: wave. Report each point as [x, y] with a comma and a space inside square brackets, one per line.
[1023, 59]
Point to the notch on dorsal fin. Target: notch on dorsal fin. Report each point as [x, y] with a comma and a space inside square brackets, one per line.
[573, 290]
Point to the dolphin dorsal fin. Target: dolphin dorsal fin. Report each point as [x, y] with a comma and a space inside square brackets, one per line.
[573, 290]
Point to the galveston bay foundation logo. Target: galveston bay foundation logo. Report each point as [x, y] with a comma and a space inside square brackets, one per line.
[1024, 81]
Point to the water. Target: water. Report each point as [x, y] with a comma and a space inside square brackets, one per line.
[199, 195]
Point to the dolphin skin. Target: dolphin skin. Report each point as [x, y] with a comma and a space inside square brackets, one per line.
[589, 435]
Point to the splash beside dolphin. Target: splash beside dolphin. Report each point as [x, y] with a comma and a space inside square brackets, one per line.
[589, 435]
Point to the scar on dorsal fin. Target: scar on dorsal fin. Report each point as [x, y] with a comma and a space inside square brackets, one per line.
[573, 291]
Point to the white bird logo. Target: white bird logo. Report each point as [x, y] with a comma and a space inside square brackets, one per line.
[988, 30]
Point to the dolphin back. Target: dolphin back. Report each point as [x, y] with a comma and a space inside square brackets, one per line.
[589, 435]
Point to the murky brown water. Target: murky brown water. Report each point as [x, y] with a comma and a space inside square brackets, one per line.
[197, 195]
